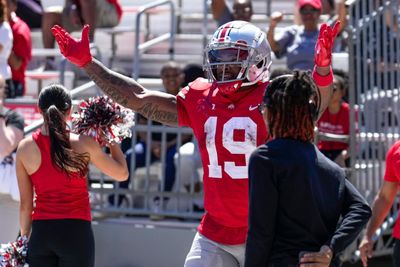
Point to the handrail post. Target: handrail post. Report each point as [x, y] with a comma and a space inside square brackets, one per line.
[179, 17]
[63, 64]
[171, 50]
[205, 23]
[142, 10]
[268, 8]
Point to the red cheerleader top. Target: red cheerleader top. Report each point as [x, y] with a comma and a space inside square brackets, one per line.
[57, 196]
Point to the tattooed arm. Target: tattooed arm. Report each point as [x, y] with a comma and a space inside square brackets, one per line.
[154, 105]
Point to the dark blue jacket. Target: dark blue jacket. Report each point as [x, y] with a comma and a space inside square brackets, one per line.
[299, 201]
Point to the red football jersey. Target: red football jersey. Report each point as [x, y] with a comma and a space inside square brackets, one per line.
[228, 129]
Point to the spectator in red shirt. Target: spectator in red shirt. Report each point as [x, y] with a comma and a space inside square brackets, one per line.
[21, 52]
[335, 120]
[75, 14]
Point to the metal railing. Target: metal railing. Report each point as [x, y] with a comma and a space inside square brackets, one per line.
[140, 48]
[374, 54]
[145, 192]
[374, 72]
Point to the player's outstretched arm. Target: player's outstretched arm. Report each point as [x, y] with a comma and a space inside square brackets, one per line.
[322, 73]
[126, 91]
[154, 105]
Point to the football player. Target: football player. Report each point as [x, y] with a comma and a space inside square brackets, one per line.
[225, 115]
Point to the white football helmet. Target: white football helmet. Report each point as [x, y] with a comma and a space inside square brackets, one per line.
[241, 46]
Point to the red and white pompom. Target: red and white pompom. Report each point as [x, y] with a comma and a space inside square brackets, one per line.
[14, 254]
[103, 119]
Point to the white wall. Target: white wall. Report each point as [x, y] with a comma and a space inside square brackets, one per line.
[141, 243]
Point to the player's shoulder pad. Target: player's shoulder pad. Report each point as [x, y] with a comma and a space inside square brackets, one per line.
[200, 84]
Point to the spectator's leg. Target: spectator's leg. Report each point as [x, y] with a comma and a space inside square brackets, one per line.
[50, 19]
[170, 169]
[89, 17]
[10, 89]
[140, 161]
[187, 166]
[190, 161]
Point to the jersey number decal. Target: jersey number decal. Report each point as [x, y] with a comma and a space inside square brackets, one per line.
[244, 147]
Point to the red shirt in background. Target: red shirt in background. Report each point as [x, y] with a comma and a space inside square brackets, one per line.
[335, 124]
[392, 174]
[118, 7]
[22, 47]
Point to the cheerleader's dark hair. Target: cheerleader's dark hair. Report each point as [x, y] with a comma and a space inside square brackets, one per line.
[55, 103]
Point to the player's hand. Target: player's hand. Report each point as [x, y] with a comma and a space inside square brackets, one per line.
[322, 258]
[75, 50]
[324, 45]
[365, 250]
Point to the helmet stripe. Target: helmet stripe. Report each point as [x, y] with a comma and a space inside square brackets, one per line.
[223, 32]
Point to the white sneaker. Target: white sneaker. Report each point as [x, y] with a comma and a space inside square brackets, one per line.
[156, 208]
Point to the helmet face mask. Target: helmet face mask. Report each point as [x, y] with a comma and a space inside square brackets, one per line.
[237, 53]
[226, 64]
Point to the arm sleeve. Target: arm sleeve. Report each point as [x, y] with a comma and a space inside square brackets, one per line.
[285, 41]
[182, 99]
[355, 213]
[392, 171]
[263, 195]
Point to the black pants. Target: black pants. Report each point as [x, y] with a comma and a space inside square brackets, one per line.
[31, 13]
[61, 243]
[14, 89]
[396, 253]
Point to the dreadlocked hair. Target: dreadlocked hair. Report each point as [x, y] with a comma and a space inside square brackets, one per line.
[55, 102]
[293, 103]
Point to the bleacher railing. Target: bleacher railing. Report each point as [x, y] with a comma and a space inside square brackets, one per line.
[140, 48]
[374, 72]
